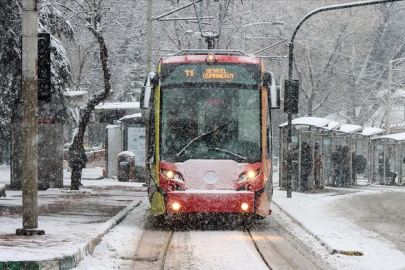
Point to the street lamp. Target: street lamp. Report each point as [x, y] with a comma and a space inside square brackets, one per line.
[388, 116]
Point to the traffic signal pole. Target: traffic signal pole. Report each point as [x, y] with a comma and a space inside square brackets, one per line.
[29, 123]
[290, 72]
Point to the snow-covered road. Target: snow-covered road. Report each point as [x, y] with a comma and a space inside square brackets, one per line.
[200, 244]
[345, 220]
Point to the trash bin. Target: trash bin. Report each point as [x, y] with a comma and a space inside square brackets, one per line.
[126, 166]
[123, 171]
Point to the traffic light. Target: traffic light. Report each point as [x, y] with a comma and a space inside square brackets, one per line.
[291, 95]
[44, 67]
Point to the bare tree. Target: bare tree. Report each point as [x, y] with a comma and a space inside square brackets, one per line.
[90, 13]
[386, 43]
[316, 85]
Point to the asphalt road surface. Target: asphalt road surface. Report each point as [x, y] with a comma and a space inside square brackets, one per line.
[382, 213]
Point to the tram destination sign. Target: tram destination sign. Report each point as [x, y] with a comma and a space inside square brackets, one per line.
[204, 73]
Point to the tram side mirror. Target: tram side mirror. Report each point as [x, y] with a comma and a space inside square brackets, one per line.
[151, 80]
[273, 92]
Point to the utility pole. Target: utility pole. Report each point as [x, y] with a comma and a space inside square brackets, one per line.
[29, 124]
[149, 39]
[388, 118]
[200, 42]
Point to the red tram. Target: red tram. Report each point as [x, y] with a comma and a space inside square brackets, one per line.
[209, 135]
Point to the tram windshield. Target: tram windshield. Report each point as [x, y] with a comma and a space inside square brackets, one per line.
[210, 123]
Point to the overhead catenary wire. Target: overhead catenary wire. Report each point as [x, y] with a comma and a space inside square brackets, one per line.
[298, 42]
[346, 73]
[320, 68]
[328, 50]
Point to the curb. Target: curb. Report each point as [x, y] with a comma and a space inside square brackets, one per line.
[328, 248]
[72, 260]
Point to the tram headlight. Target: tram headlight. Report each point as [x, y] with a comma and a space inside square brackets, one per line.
[176, 206]
[249, 175]
[244, 206]
[171, 175]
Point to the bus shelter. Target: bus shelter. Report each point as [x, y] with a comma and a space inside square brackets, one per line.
[326, 153]
[363, 152]
[388, 156]
[307, 147]
[343, 146]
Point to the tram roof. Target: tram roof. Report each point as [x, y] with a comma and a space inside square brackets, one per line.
[222, 56]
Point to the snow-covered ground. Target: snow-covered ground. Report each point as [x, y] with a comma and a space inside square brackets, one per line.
[327, 217]
[347, 221]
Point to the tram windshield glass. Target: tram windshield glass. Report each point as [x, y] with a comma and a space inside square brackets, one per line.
[221, 122]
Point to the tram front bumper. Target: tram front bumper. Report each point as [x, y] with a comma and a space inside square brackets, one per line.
[208, 201]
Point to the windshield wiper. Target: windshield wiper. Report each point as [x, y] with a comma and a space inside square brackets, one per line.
[196, 139]
[231, 153]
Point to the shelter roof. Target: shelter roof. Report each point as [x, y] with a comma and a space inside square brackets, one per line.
[349, 128]
[132, 116]
[74, 93]
[396, 137]
[117, 105]
[369, 131]
[309, 121]
[113, 126]
[332, 125]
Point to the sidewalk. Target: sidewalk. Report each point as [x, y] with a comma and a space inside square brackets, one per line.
[74, 221]
[362, 228]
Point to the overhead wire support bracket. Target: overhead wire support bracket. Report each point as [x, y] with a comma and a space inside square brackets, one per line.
[185, 19]
[175, 10]
[210, 35]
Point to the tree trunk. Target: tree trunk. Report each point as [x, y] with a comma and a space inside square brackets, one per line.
[77, 155]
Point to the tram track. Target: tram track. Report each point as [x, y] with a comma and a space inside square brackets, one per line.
[258, 250]
[152, 249]
[165, 248]
[279, 250]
